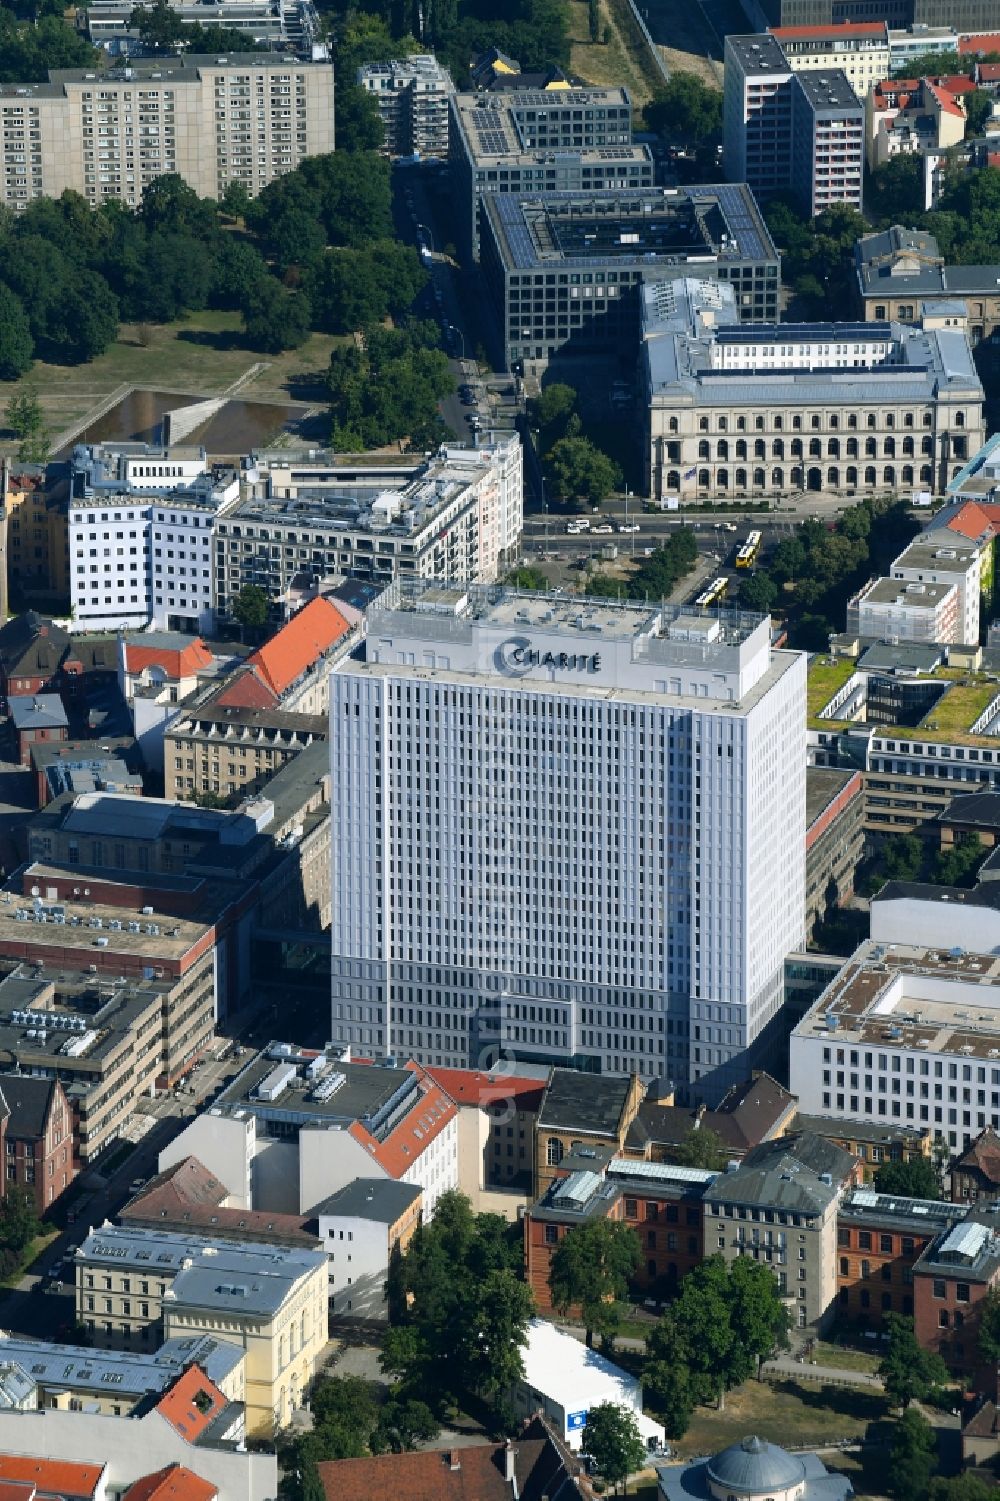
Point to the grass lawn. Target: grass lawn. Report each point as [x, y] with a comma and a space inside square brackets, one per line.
[784, 1412]
[957, 710]
[38, 1246]
[201, 354]
[824, 681]
[844, 1359]
[622, 61]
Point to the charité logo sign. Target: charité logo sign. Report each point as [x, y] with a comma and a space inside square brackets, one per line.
[518, 655]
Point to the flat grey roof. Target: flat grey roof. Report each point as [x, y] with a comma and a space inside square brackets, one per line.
[823, 784]
[758, 52]
[906, 592]
[381, 1199]
[364, 1091]
[124, 1371]
[584, 1102]
[828, 88]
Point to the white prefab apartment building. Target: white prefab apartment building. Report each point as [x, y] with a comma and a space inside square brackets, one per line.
[570, 829]
[141, 528]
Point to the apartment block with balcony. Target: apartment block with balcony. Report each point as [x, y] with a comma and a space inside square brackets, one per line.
[245, 118]
[412, 95]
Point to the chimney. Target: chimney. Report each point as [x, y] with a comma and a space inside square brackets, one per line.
[509, 1455]
[454, 1460]
[698, 1118]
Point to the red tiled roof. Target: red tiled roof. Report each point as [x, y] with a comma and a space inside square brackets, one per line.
[473, 1474]
[299, 644]
[988, 72]
[955, 83]
[993, 158]
[468, 1086]
[841, 29]
[191, 1404]
[52, 1477]
[421, 1125]
[175, 663]
[985, 41]
[246, 689]
[976, 518]
[180, 1186]
[174, 1483]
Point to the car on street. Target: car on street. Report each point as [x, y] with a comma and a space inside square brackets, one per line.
[632, 526]
[603, 529]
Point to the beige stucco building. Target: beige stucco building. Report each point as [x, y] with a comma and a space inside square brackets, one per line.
[735, 410]
[246, 118]
[137, 1287]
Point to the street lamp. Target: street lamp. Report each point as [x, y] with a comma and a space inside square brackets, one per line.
[430, 237]
[456, 330]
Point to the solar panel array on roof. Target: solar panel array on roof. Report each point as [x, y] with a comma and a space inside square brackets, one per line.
[488, 125]
[738, 216]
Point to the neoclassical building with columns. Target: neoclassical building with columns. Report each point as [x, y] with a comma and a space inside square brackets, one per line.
[735, 410]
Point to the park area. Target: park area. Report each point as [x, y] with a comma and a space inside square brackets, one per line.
[204, 353]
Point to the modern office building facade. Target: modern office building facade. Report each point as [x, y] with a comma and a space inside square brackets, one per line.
[246, 118]
[962, 15]
[791, 130]
[560, 828]
[733, 409]
[540, 141]
[565, 269]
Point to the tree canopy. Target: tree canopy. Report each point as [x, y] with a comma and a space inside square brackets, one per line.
[461, 1308]
[913, 1449]
[577, 470]
[387, 387]
[916, 1179]
[726, 1320]
[906, 1369]
[612, 1436]
[591, 1268]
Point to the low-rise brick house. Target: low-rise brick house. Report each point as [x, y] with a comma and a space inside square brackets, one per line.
[950, 1280]
[582, 1110]
[880, 1238]
[758, 1110]
[873, 1143]
[37, 1138]
[660, 1201]
[976, 1174]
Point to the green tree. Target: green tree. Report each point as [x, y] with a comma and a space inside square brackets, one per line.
[988, 1333]
[978, 109]
[959, 865]
[667, 1388]
[551, 411]
[358, 122]
[26, 421]
[701, 1147]
[758, 591]
[463, 1312]
[274, 319]
[251, 607]
[757, 1315]
[158, 25]
[908, 1371]
[697, 1331]
[576, 469]
[19, 1222]
[235, 200]
[16, 344]
[404, 1422]
[912, 1456]
[591, 1267]
[687, 111]
[528, 577]
[895, 190]
[901, 857]
[612, 1437]
[915, 1179]
[961, 1488]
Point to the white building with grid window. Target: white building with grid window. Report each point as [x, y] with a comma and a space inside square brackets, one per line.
[562, 828]
[141, 528]
[907, 1033]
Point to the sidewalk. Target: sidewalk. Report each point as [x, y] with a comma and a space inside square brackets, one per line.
[827, 1375]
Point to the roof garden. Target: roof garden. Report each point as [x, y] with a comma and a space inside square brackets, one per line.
[949, 719]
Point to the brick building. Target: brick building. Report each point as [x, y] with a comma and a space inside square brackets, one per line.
[950, 1280]
[36, 1138]
[880, 1238]
[662, 1203]
[872, 1143]
[835, 838]
[976, 1174]
[38, 720]
[582, 1110]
